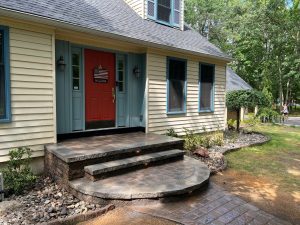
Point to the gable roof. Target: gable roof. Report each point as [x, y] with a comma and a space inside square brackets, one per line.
[117, 18]
[234, 82]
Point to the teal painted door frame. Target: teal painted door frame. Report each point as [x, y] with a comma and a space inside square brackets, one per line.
[130, 101]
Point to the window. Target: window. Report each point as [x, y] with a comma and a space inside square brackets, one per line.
[4, 76]
[76, 71]
[206, 86]
[165, 11]
[121, 74]
[176, 84]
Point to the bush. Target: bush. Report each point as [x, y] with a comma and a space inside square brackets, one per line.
[193, 141]
[171, 132]
[18, 175]
[267, 115]
[190, 140]
[251, 121]
[231, 123]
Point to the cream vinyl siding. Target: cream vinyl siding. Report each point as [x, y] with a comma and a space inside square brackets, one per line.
[137, 6]
[159, 121]
[32, 93]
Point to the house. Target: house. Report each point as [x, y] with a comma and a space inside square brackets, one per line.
[71, 67]
[234, 83]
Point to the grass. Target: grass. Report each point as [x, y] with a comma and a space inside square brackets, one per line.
[275, 159]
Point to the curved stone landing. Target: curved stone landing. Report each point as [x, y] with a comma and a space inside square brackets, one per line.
[173, 178]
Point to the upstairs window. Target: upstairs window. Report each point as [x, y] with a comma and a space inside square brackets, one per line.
[165, 11]
[4, 76]
[206, 88]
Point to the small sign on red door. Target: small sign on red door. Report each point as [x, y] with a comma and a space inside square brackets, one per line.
[100, 75]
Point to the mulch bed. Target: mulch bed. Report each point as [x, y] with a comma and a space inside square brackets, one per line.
[47, 203]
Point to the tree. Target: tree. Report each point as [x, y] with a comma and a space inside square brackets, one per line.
[262, 36]
[235, 100]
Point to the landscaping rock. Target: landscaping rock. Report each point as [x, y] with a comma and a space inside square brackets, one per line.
[46, 202]
[233, 140]
[202, 152]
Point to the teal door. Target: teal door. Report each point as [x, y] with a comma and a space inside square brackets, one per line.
[77, 89]
[122, 115]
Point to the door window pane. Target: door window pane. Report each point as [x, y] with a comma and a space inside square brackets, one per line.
[176, 85]
[206, 86]
[76, 71]
[121, 74]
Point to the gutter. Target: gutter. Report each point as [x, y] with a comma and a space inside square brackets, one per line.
[16, 14]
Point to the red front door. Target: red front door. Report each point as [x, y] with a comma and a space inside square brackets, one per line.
[99, 89]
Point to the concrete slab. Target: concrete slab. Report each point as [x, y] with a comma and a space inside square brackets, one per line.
[174, 178]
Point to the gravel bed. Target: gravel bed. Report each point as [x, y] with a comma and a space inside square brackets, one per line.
[214, 156]
[46, 202]
[235, 141]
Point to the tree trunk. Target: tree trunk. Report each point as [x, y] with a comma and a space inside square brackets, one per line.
[287, 92]
[238, 112]
[280, 85]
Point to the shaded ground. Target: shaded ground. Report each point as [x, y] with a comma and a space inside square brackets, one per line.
[123, 216]
[268, 175]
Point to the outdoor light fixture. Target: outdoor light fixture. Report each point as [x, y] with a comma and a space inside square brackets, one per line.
[61, 63]
[136, 71]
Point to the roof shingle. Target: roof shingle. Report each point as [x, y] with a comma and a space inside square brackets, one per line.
[115, 17]
[234, 82]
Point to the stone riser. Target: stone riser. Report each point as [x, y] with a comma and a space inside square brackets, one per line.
[60, 170]
[132, 168]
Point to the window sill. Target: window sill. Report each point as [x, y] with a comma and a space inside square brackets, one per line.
[164, 23]
[176, 113]
[206, 111]
[6, 120]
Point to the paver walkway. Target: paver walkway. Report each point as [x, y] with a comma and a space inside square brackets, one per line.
[214, 206]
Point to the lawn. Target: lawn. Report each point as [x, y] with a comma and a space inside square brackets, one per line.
[268, 175]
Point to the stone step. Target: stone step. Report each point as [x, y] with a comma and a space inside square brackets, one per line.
[173, 178]
[102, 170]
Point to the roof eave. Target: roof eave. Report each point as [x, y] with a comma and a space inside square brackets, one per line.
[16, 14]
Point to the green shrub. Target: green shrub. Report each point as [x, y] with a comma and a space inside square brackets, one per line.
[267, 115]
[171, 132]
[193, 141]
[251, 121]
[231, 123]
[218, 138]
[18, 175]
[190, 140]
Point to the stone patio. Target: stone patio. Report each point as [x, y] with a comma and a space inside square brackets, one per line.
[213, 206]
[125, 166]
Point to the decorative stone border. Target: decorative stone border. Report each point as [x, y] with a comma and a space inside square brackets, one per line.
[268, 138]
[81, 217]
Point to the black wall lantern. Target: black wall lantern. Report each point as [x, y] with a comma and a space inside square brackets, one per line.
[61, 64]
[137, 71]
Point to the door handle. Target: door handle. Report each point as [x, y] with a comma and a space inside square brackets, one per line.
[113, 94]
